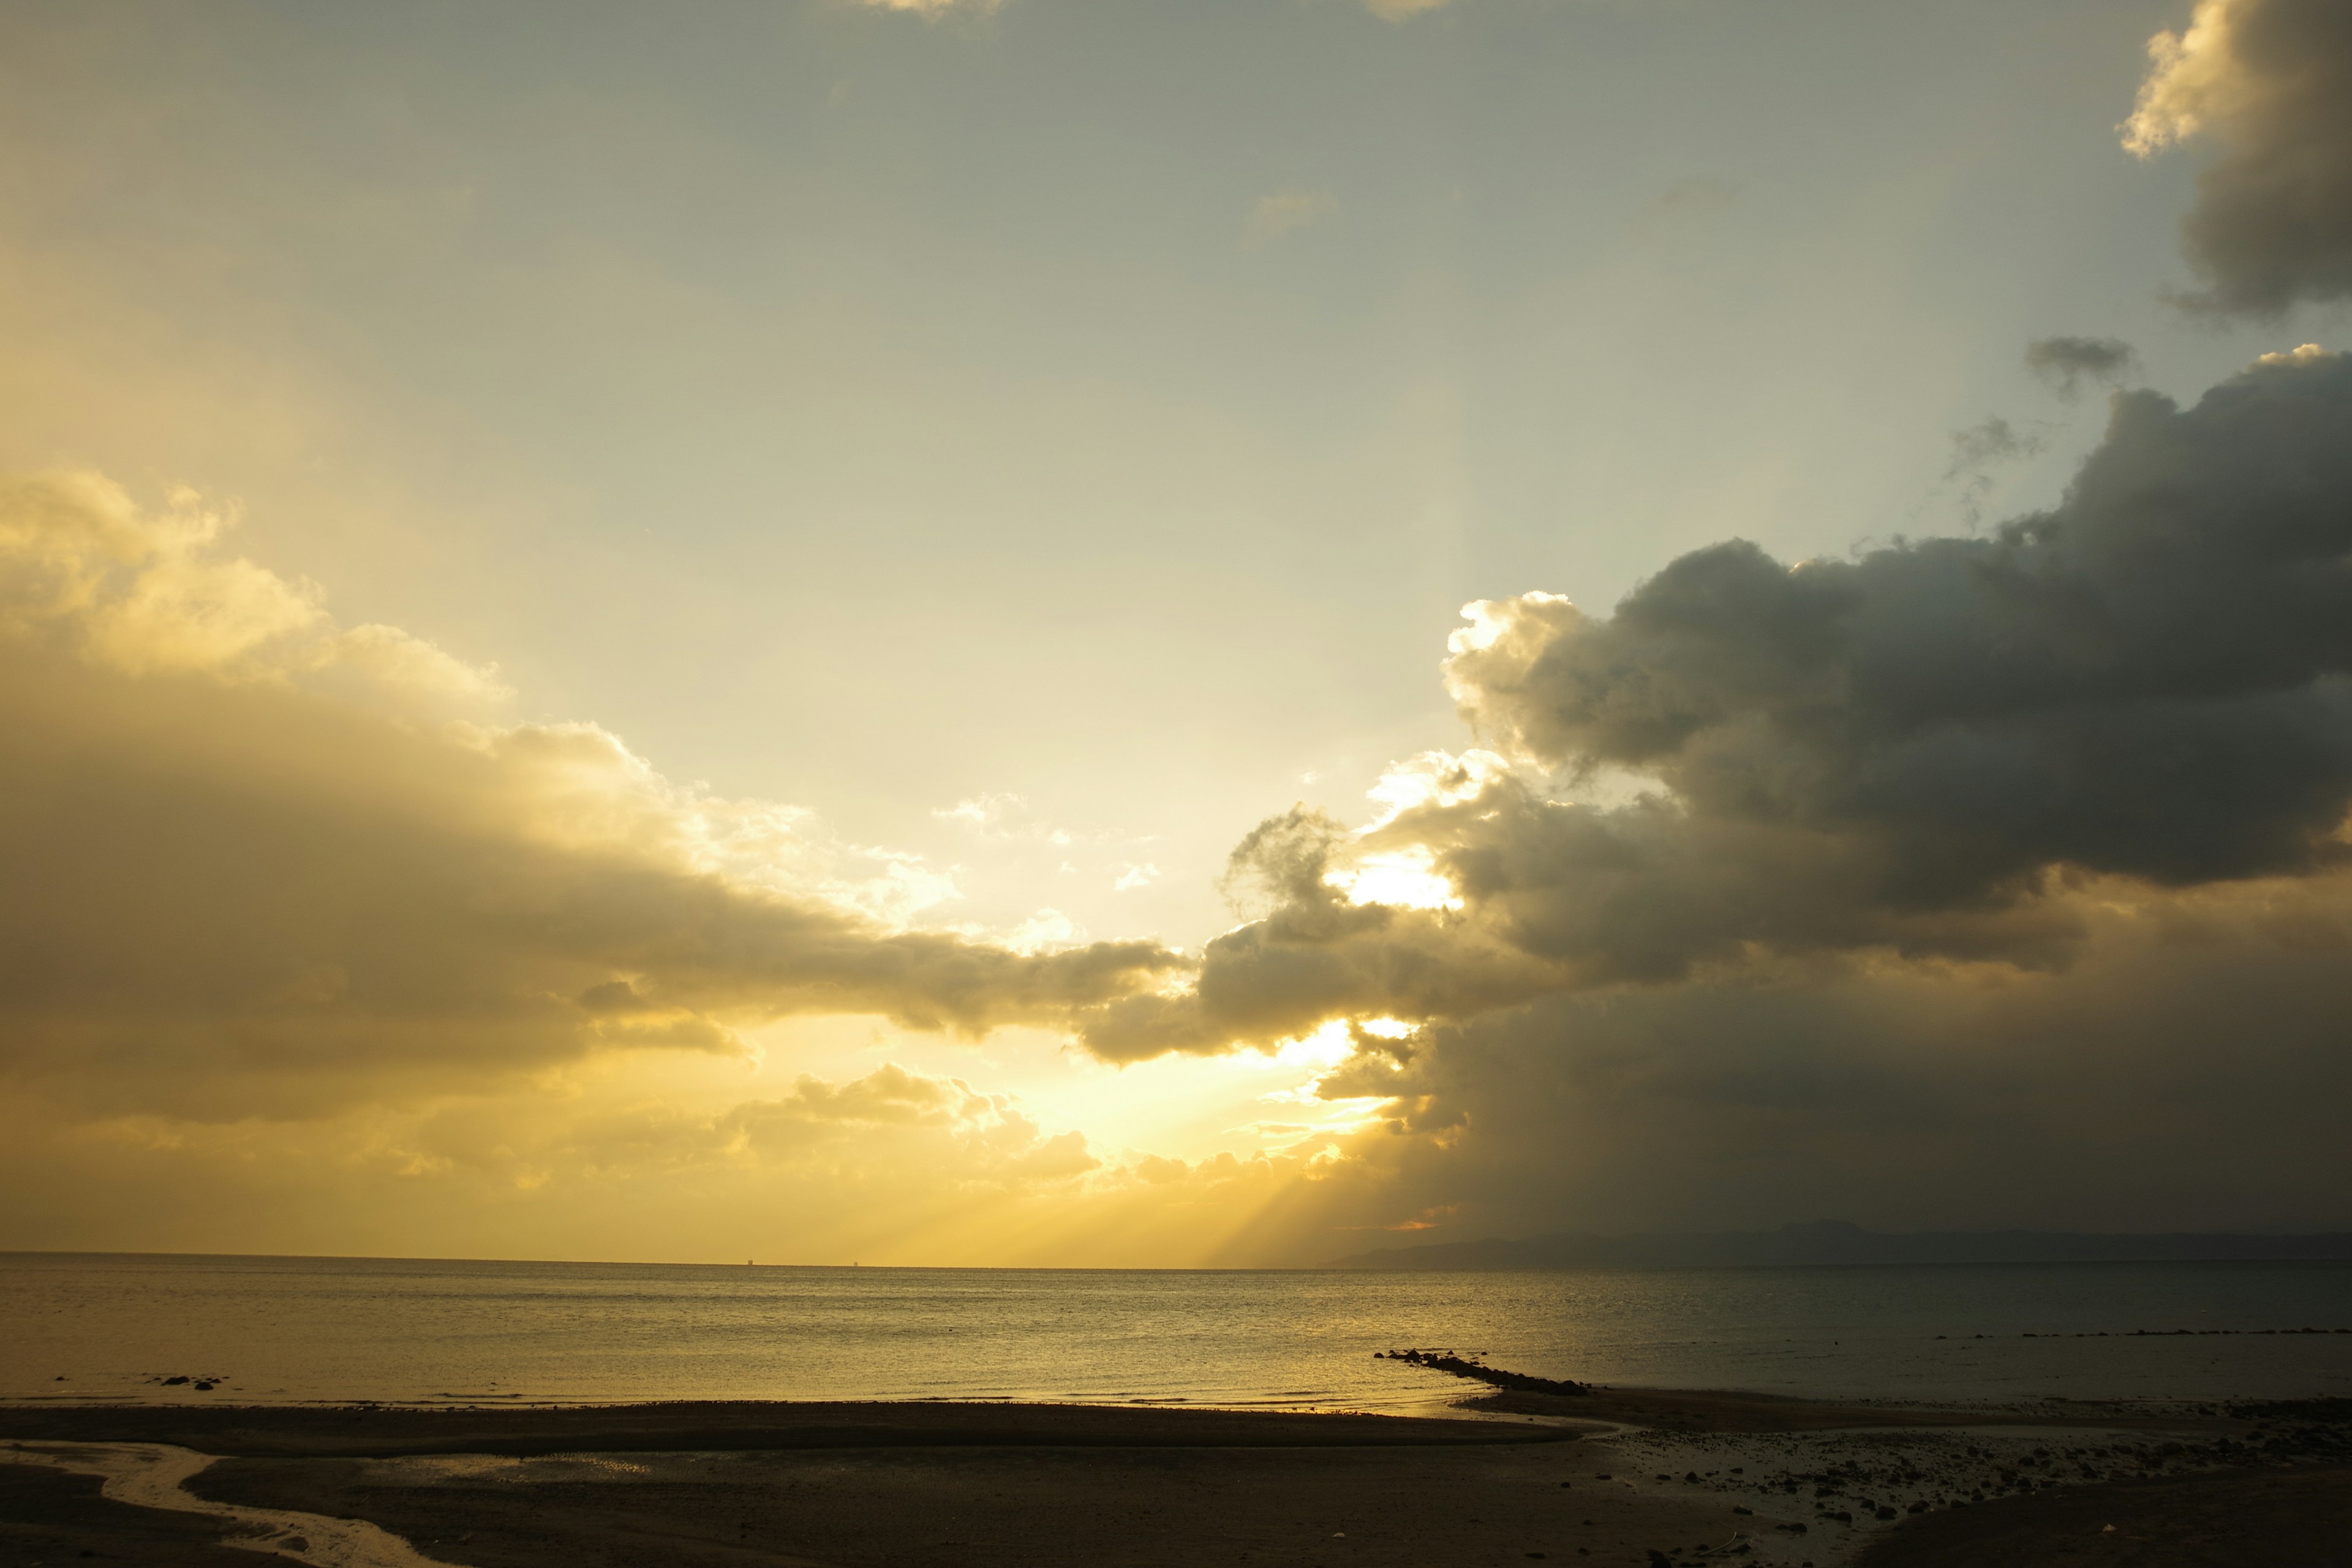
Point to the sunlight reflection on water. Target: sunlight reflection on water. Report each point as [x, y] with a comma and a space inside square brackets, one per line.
[307, 1329]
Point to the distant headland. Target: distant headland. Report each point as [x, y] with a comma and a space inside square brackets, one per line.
[1831, 1241]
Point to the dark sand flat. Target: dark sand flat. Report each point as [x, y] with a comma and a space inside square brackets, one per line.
[2261, 1519]
[933, 1508]
[49, 1517]
[383, 1431]
[995, 1486]
[380, 1431]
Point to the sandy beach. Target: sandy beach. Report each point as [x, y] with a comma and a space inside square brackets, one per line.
[1626, 1478]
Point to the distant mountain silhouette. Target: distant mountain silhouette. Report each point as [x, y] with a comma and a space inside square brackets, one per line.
[1832, 1241]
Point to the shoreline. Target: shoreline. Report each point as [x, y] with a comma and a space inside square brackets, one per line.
[1623, 1477]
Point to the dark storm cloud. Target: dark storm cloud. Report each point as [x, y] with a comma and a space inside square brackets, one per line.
[2147, 679]
[1910, 752]
[2068, 364]
[2271, 81]
[2183, 1075]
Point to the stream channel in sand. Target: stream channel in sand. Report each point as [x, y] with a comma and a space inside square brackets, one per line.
[153, 1475]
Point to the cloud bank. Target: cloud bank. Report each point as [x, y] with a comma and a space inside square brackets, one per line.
[263, 864]
[2270, 83]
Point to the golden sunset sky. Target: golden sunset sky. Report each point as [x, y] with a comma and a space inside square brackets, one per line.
[826, 631]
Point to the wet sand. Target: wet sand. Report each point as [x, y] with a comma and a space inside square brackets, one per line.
[50, 1517]
[2239, 1519]
[1640, 1475]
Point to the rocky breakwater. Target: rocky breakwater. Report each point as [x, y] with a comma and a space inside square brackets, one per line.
[1477, 1371]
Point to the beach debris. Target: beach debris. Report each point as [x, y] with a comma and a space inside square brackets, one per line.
[1472, 1367]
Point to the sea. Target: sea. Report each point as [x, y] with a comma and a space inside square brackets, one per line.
[86, 1327]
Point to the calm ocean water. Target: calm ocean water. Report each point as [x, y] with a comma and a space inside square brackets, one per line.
[282, 1329]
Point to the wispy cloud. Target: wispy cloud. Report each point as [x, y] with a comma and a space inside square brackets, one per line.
[2065, 365]
[1286, 212]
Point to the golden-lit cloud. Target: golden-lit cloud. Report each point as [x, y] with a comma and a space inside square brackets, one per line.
[2271, 81]
[262, 863]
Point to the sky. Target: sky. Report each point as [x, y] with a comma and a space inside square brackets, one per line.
[1126, 632]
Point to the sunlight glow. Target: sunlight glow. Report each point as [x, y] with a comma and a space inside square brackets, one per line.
[1406, 878]
[1435, 778]
[1321, 1051]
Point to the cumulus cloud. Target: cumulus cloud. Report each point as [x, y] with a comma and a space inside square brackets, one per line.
[967, 1136]
[262, 864]
[2270, 83]
[2017, 857]
[1911, 752]
[2067, 364]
